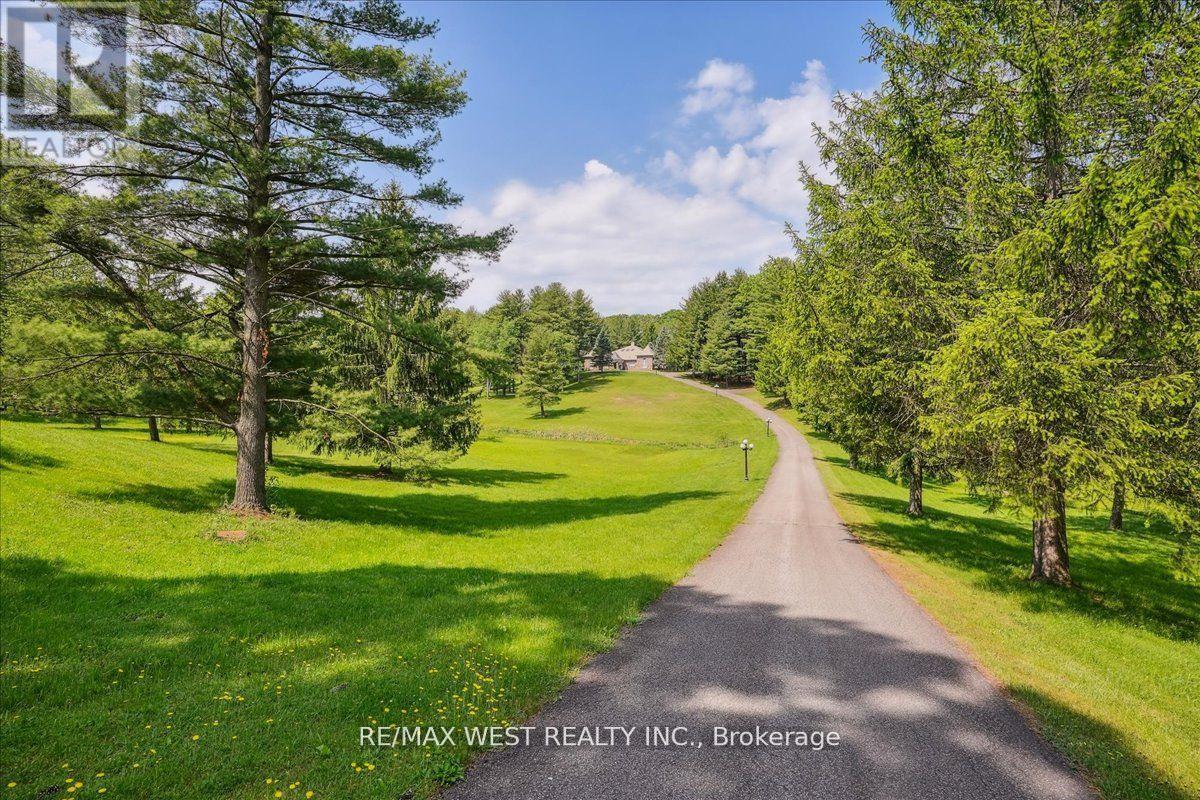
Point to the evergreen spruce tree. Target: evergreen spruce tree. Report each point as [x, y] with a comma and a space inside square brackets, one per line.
[1078, 156]
[584, 321]
[544, 367]
[602, 351]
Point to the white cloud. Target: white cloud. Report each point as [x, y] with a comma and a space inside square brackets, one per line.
[717, 85]
[763, 167]
[633, 248]
[596, 169]
[637, 245]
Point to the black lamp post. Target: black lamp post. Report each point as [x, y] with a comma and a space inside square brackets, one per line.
[746, 448]
[768, 427]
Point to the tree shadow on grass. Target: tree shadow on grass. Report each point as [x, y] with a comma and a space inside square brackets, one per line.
[1118, 576]
[297, 465]
[467, 476]
[589, 382]
[883, 471]
[16, 458]
[447, 476]
[340, 645]
[311, 656]
[429, 512]
[334, 604]
[1108, 754]
[558, 413]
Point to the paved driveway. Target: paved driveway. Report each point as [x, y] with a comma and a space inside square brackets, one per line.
[789, 625]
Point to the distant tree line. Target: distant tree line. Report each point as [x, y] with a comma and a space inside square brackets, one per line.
[644, 330]
[721, 331]
[1001, 280]
[532, 343]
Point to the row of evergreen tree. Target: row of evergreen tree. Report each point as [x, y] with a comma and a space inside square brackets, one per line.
[1000, 278]
[644, 330]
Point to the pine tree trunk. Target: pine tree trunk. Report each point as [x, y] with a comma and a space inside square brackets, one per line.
[96, 422]
[853, 459]
[542, 408]
[250, 490]
[153, 422]
[1050, 561]
[1116, 520]
[916, 486]
[270, 445]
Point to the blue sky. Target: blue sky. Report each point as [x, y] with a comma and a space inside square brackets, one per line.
[639, 147]
[555, 84]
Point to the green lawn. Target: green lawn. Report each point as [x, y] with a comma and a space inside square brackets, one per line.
[142, 654]
[1111, 669]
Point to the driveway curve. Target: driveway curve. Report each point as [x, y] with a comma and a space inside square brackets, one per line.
[788, 625]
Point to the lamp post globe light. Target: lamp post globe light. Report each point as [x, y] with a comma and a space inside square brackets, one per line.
[746, 448]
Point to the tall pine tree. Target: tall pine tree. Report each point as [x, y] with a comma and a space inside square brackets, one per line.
[243, 172]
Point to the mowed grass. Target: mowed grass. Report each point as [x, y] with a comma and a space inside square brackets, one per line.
[1111, 669]
[144, 657]
[643, 408]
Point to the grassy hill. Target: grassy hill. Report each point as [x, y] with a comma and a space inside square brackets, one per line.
[141, 652]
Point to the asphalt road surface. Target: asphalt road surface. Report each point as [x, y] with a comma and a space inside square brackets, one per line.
[789, 625]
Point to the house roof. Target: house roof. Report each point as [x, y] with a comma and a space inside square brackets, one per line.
[629, 352]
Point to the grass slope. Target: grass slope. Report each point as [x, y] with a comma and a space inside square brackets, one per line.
[1111, 669]
[141, 654]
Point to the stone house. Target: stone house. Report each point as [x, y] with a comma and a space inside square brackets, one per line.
[629, 357]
